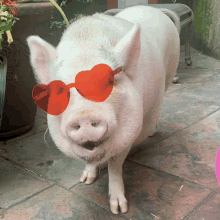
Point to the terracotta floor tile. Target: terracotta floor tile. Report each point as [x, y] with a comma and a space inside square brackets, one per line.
[16, 185]
[210, 210]
[177, 113]
[195, 54]
[189, 75]
[207, 62]
[199, 59]
[150, 193]
[189, 154]
[204, 91]
[46, 161]
[57, 203]
[184, 110]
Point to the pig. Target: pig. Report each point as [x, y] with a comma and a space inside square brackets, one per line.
[145, 44]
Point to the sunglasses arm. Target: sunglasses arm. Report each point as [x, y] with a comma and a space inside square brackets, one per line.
[117, 70]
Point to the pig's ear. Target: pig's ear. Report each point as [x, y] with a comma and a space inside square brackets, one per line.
[128, 48]
[41, 54]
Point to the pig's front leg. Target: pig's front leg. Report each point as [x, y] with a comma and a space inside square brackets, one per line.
[116, 185]
[89, 174]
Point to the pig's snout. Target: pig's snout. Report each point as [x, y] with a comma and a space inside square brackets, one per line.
[87, 131]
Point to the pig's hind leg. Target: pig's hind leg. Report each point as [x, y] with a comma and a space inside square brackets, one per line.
[150, 121]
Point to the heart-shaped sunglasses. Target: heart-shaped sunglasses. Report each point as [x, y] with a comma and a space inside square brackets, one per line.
[95, 85]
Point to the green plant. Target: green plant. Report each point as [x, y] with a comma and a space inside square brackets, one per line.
[64, 24]
[60, 10]
[7, 19]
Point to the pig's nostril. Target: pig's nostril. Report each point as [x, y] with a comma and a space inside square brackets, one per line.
[94, 124]
[77, 127]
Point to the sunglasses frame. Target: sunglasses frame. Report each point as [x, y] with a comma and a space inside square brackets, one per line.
[47, 91]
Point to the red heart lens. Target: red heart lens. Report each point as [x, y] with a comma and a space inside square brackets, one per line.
[52, 98]
[95, 85]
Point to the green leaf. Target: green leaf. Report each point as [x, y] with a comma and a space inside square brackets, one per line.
[15, 18]
[6, 25]
[4, 7]
[9, 17]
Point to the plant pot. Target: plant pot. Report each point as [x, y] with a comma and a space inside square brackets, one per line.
[3, 72]
[19, 108]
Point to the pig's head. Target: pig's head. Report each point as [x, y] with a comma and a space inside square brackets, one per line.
[89, 130]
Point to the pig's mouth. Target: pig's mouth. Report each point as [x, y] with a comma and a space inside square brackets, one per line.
[91, 151]
[90, 145]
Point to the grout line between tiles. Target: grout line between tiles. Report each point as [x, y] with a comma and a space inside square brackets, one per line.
[18, 138]
[189, 125]
[170, 137]
[90, 200]
[211, 194]
[27, 171]
[191, 84]
[161, 171]
[19, 166]
[53, 183]
[97, 178]
[27, 198]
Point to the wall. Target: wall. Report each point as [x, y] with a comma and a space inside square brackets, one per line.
[206, 33]
[125, 3]
[206, 27]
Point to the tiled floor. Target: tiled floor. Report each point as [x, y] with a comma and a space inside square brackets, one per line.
[170, 176]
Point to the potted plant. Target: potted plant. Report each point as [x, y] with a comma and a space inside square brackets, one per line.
[7, 12]
[19, 109]
[7, 18]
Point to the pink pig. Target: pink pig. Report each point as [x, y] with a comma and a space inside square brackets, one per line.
[145, 43]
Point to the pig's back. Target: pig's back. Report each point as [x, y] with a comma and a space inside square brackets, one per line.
[159, 55]
[158, 28]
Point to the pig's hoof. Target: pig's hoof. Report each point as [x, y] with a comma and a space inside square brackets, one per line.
[175, 79]
[89, 175]
[118, 201]
[152, 134]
